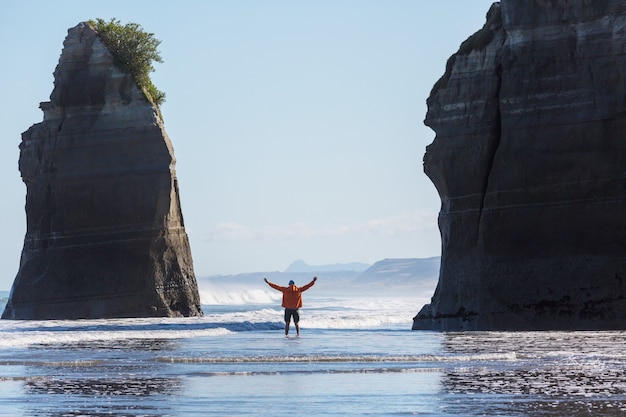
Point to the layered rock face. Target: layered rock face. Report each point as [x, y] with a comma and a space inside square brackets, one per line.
[529, 160]
[105, 234]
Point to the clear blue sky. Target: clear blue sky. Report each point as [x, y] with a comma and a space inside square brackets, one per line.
[297, 125]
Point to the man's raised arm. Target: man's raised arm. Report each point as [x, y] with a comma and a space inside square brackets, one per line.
[309, 285]
[271, 284]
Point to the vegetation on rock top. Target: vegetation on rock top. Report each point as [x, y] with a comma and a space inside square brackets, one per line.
[134, 50]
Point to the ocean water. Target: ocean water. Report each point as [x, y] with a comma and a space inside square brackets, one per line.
[355, 357]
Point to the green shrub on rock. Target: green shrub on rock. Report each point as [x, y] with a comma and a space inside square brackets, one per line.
[134, 50]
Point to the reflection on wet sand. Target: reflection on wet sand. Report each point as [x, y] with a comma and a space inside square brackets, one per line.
[551, 374]
[113, 385]
[103, 386]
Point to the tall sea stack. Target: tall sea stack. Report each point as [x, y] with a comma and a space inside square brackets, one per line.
[529, 160]
[105, 234]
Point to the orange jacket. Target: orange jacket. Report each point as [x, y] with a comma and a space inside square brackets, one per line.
[292, 295]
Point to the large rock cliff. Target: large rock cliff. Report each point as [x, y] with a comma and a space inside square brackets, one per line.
[529, 160]
[105, 234]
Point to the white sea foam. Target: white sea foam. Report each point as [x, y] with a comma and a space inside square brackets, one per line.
[21, 339]
[259, 311]
[212, 295]
[359, 313]
[345, 358]
[320, 313]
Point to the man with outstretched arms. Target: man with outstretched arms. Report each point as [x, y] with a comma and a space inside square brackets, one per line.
[292, 301]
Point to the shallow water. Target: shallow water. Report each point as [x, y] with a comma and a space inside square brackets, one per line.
[236, 361]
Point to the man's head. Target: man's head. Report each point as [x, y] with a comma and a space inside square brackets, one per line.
[292, 283]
